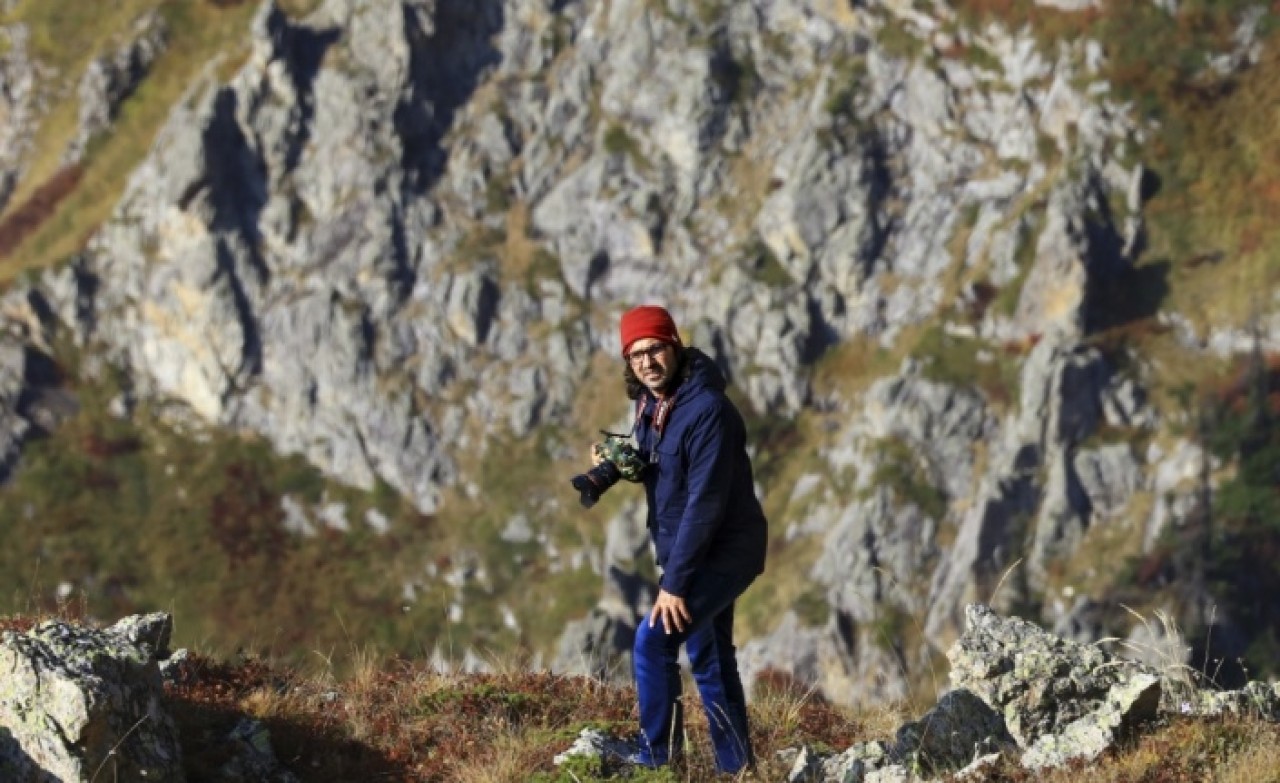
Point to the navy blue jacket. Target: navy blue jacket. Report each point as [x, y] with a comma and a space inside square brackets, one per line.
[703, 511]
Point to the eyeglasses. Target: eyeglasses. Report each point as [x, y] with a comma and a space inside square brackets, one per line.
[652, 353]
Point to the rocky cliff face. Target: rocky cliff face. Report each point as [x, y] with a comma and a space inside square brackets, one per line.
[399, 232]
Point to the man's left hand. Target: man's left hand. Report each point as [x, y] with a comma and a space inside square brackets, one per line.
[672, 611]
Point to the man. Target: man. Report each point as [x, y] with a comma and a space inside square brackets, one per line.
[709, 532]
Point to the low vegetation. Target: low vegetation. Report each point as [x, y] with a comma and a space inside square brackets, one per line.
[120, 515]
[402, 720]
[408, 722]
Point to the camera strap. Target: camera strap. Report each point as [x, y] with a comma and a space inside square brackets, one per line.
[661, 412]
[660, 415]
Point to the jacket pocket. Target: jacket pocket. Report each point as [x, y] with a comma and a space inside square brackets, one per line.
[669, 489]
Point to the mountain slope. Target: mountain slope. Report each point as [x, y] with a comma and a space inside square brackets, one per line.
[972, 268]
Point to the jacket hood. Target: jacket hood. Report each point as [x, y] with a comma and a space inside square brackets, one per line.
[701, 371]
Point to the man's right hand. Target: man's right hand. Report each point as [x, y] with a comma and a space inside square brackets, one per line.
[596, 458]
[671, 611]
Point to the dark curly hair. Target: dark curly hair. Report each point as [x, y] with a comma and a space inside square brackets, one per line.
[635, 388]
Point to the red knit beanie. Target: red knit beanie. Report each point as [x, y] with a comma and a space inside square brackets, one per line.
[648, 321]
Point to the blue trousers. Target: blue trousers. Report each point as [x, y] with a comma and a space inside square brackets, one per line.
[709, 642]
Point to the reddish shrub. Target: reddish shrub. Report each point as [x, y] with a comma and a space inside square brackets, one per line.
[25, 219]
[97, 445]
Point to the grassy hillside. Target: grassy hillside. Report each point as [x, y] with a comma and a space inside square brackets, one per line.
[109, 516]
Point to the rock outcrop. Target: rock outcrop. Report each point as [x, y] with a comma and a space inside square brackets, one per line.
[20, 106]
[1023, 693]
[79, 704]
[1060, 700]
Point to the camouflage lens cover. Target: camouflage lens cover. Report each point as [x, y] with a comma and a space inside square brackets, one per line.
[623, 455]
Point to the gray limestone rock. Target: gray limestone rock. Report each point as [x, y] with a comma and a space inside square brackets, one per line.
[959, 729]
[597, 745]
[148, 632]
[1109, 476]
[804, 764]
[1022, 693]
[15, 764]
[1030, 492]
[1255, 699]
[597, 646]
[14, 427]
[1060, 700]
[20, 106]
[858, 762]
[295, 258]
[1176, 487]
[1090, 735]
[317, 284]
[80, 702]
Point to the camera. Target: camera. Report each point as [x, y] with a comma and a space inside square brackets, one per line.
[618, 460]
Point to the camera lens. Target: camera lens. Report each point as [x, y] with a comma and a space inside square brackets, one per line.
[587, 492]
[592, 484]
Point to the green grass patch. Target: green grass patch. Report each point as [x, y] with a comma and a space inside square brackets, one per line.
[1211, 215]
[497, 192]
[899, 469]
[66, 34]
[545, 265]
[895, 39]
[1009, 294]
[846, 81]
[812, 608]
[891, 627]
[764, 267]
[967, 362]
[618, 142]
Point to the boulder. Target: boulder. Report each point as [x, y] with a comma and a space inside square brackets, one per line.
[1060, 700]
[78, 704]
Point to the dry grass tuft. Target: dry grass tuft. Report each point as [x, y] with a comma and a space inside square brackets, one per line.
[786, 712]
